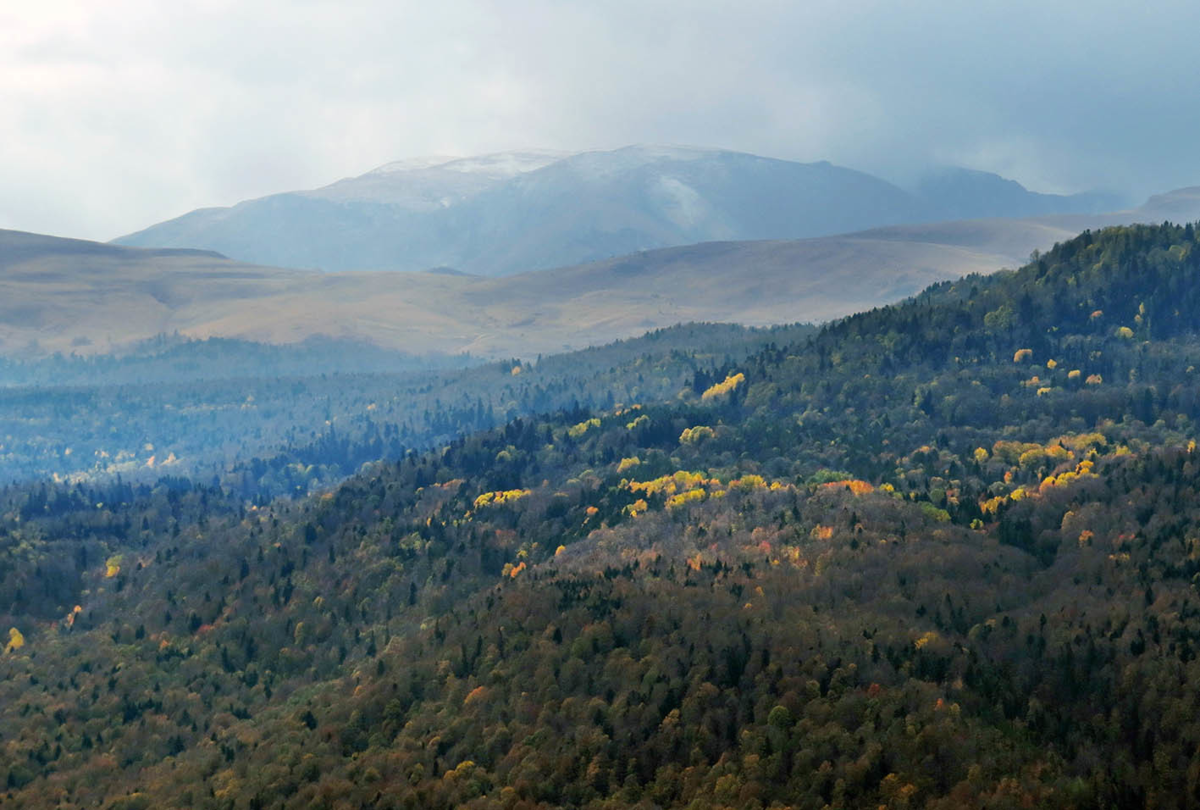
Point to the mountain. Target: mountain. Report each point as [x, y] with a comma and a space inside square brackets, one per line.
[73, 295]
[955, 193]
[67, 295]
[1180, 205]
[88, 298]
[518, 211]
[941, 554]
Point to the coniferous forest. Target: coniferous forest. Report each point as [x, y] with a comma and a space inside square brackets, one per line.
[940, 554]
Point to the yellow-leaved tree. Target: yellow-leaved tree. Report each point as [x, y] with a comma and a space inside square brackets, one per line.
[15, 640]
[731, 382]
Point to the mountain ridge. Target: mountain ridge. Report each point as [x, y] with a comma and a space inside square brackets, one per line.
[56, 303]
[509, 212]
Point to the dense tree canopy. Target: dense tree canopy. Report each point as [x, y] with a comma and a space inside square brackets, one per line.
[940, 554]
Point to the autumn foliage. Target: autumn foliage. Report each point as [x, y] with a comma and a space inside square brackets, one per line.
[894, 576]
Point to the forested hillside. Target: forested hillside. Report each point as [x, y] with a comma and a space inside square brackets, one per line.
[944, 553]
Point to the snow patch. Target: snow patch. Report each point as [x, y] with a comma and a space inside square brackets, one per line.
[415, 164]
[507, 164]
[599, 164]
[652, 151]
[497, 166]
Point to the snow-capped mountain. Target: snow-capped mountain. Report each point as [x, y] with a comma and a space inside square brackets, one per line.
[532, 209]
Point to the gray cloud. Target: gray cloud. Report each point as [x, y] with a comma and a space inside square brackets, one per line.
[120, 114]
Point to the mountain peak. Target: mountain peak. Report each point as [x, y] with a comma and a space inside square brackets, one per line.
[955, 192]
[498, 165]
[414, 164]
[531, 208]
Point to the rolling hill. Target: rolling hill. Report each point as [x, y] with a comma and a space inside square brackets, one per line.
[87, 297]
[70, 296]
[518, 211]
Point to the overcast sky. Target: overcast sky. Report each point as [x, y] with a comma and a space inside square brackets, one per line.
[119, 114]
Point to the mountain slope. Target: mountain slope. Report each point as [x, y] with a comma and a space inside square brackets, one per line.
[510, 212]
[76, 300]
[956, 193]
[942, 554]
[67, 294]
[57, 296]
[519, 211]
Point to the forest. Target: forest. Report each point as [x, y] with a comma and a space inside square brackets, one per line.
[939, 554]
[290, 420]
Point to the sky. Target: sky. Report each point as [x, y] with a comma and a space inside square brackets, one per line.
[117, 115]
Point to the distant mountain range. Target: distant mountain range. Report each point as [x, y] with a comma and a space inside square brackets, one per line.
[62, 295]
[74, 296]
[511, 212]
